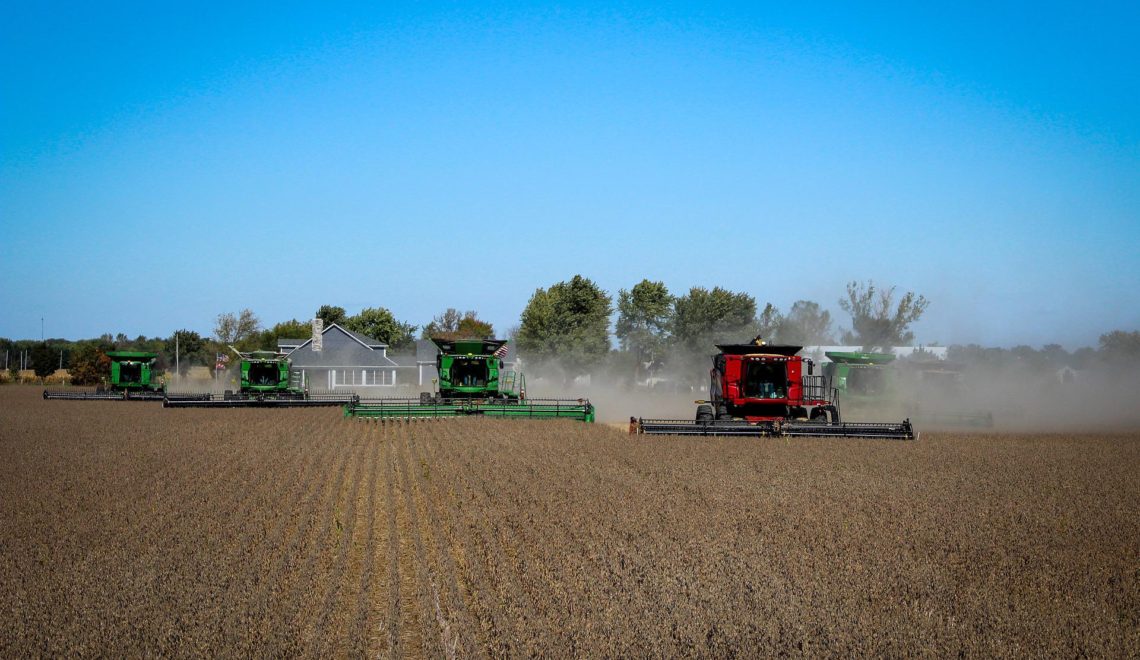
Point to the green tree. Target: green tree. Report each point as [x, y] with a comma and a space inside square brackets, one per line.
[567, 323]
[473, 327]
[45, 359]
[769, 322]
[645, 314]
[239, 330]
[291, 329]
[706, 317]
[332, 314]
[191, 350]
[452, 324]
[89, 363]
[806, 325]
[877, 322]
[1120, 346]
[380, 324]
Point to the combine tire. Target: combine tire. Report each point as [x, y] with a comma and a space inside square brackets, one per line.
[425, 398]
[704, 413]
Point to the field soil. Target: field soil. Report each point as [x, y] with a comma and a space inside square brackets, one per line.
[127, 529]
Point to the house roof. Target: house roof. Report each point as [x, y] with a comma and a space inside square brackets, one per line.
[364, 340]
[404, 360]
[367, 341]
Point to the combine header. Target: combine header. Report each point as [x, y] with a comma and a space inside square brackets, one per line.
[131, 380]
[472, 382]
[265, 383]
[759, 390]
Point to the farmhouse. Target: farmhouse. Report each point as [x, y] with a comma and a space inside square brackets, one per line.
[342, 360]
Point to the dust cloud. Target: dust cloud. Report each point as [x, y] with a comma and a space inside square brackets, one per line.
[1101, 399]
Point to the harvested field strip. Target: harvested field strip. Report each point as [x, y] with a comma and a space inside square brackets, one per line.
[134, 530]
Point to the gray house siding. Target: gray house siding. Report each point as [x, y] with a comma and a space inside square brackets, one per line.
[347, 360]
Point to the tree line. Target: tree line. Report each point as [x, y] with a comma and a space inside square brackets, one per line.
[570, 324]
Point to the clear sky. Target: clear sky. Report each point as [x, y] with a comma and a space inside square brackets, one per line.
[159, 166]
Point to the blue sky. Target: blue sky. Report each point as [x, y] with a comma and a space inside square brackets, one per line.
[160, 166]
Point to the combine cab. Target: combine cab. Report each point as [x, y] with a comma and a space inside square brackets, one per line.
[759, 389]
[264, 383]
[472, 382]
[131, 380]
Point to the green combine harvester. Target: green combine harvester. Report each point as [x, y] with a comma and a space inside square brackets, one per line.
[929, 393]
[264, 382]
[861, 378]
[131, 379]
[472, 381]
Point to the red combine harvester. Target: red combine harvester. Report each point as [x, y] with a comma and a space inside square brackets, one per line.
[761, 389]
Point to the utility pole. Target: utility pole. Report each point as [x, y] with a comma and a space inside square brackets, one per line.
[41, 329]
[177, 370]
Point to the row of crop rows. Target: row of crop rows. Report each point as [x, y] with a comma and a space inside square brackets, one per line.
[205, 534]
[136, 530]
[583, 542]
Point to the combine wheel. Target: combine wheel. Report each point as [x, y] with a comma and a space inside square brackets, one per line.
[704, 413]
[228, 395]
[425, 398]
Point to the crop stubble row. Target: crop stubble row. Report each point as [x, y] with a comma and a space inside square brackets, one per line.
[131, 529]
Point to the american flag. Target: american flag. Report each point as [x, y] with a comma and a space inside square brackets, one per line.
[222, 359]
[501, 352]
